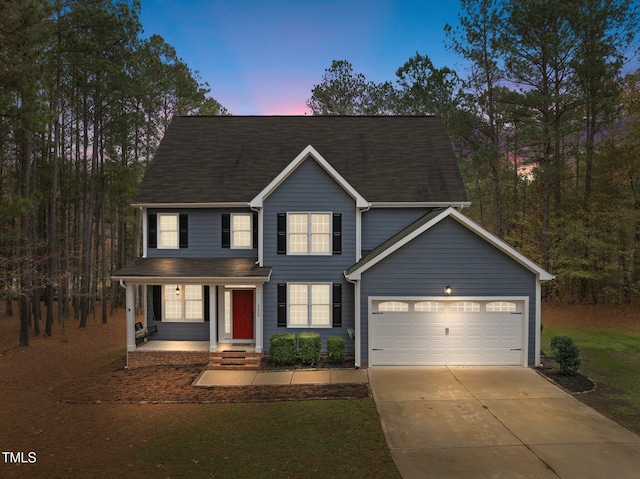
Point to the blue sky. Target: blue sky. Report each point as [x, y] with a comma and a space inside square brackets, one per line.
[263, 57]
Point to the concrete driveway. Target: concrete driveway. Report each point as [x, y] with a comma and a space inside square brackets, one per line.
[495, 422]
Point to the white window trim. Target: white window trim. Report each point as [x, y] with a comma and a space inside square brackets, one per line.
[309, 325]
[159, 232]
[183, 304]
[309, 252]
[232, 232]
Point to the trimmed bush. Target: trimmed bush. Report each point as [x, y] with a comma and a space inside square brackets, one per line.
[566, 354]
[309, 345]
[336, 349]
[282, 349]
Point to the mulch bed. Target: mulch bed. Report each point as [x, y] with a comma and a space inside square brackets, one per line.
[168, 384]
[575, 384]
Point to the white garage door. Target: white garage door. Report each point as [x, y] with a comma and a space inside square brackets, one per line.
[436, 332]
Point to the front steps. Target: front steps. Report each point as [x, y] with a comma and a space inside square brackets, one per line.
[234, 359]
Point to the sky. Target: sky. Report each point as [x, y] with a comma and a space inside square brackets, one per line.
[263, 57]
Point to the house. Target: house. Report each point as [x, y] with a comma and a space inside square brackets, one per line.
[347, 226]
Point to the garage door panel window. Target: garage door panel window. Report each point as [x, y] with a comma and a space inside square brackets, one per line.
[501, 307]
[393, 306]
[429, 307]
[464, 307]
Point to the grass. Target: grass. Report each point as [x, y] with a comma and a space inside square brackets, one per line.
[320, 439]
[610, 357]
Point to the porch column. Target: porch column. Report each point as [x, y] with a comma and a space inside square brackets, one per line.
[131, 318]
[259, 322]
[213, 318]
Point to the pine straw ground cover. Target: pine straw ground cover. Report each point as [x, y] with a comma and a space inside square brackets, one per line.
[69, 400]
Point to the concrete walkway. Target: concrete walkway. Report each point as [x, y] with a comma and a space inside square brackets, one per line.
[454, 422]
[261, 378]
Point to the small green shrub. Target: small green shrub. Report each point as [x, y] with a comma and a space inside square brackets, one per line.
[282, 349]
[336, 349]
[309, 345]
[566, 354]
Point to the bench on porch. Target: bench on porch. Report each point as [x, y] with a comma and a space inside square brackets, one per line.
[143, 333]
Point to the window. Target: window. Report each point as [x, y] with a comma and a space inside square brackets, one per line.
[241, 230]
[183, 303]
[309, 305]
[501, 307]
[465, 307]
[429, 307]
[395, 306]
[309, 233]
[168, 231]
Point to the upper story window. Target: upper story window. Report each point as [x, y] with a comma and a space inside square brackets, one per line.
[309, 233]
[241, 230]
[167, 231]
[314, 233]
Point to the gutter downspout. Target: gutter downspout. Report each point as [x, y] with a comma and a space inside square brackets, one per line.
[260, 212]
[357, 322]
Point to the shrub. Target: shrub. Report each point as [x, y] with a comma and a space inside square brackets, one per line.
[566, 354]
[336, 349]
[309, 345]
[282, 349]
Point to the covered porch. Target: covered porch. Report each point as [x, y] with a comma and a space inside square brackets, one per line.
[199, 306]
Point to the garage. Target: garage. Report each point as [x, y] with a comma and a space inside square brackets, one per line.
[443, 331]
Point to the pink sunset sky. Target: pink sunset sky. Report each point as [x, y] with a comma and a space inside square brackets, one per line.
[263, 57]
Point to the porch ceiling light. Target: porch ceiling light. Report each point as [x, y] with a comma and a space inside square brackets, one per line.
[448, 290]
[177, 290]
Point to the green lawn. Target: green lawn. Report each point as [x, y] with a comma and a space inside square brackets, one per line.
[611, 358]
[298, 439]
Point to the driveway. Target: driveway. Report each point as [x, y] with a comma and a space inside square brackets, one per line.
[495, 422]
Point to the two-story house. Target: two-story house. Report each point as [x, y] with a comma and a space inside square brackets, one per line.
[347, 226]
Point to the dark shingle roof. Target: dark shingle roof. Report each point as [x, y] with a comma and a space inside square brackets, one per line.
[219, 159]
[196, 268]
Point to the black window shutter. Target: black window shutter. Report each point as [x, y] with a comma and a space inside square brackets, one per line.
[337, 233]
[207, 304]
[282, 233]
[337, 305]
[282, 305]
[184, 231]
[255, 230]
[157, 302]
[226, 230]
[152, 230]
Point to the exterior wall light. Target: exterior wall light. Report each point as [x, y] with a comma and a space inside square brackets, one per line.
[448, 290]
[177, 290]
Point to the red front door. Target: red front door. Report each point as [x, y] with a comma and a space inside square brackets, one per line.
[243, 314]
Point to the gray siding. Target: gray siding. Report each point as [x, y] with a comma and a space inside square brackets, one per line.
[205, 236]
[308, 188]
[380, 224]
[451, 254]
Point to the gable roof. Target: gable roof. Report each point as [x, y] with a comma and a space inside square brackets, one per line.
[209, 160]
[422, 225]
[308, 153]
